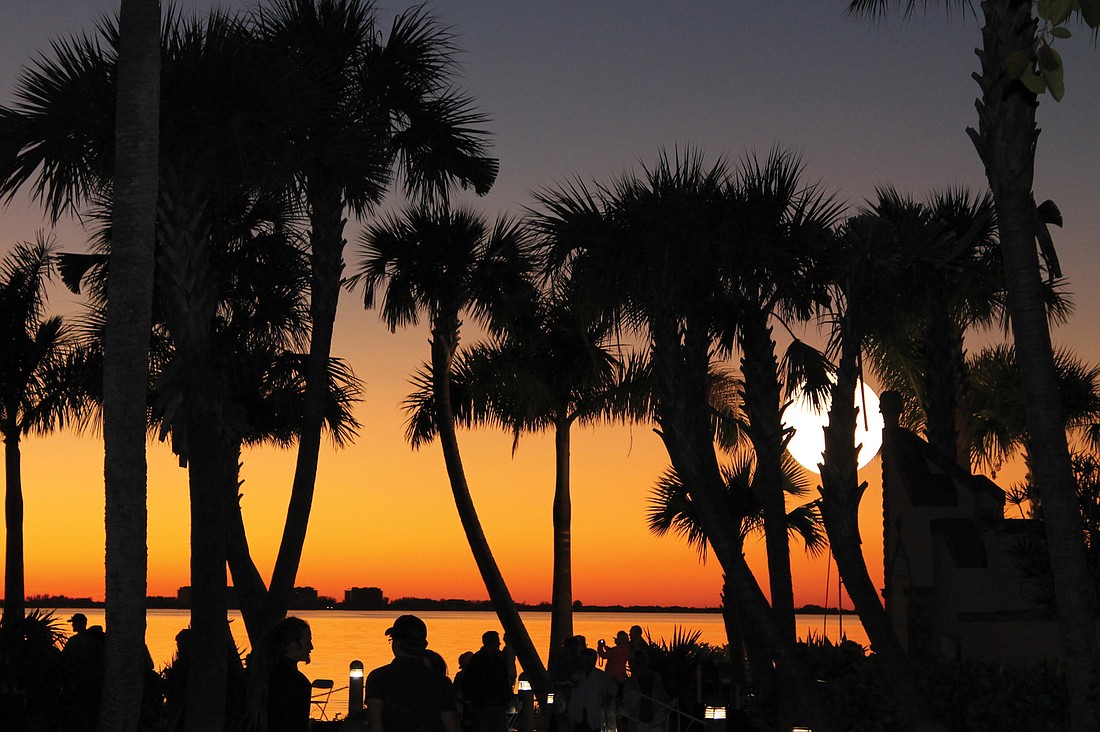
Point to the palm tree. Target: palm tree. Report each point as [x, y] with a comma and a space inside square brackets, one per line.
[549, 372]
[444, 262]
[126, 367]
[998, 403]
[649, 250]
[216, 149]
[1005, 141]
[39, 390]
[777, 226]
[871, 260]
[923, 355]
[385, 103]
[671, 511]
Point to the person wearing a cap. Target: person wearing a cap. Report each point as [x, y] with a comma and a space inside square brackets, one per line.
[407, 695]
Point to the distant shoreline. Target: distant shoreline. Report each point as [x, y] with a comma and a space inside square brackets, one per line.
[421, 604]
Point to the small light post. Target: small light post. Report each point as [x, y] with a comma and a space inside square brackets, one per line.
[527, 710]
[355, 688]
[714, 717]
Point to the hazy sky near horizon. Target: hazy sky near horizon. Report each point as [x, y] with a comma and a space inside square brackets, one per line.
[589, 90]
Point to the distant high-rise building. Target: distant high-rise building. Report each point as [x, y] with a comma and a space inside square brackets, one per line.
[365, 598]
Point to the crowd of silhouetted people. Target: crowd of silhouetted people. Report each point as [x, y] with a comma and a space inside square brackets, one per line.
[610, 686]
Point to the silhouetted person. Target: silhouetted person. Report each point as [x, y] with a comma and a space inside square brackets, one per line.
[462, 693]
[616, 656]
[638, 643]
[409, 694]
[175, 684]
[487, 679]
[82, 686]
[591, 695]
[644, 696]
[175, 681]
[435, 662]
[509, 652]
[563, 670]
[288, 690]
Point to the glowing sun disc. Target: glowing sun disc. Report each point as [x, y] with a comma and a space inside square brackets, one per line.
[808, 442]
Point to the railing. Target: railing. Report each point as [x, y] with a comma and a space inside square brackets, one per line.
[664, 713]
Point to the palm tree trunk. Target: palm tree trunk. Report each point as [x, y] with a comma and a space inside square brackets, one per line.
[561, 594]
[443, 346]
[1005, 140]
[248, 584]
[206, 681]
[941, 379]
[840, 496]
[327, 244]
[681, 366]
[762, 404]
[14, 592]
[126, 360]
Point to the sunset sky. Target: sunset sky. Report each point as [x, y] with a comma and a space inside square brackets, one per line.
[586, 89]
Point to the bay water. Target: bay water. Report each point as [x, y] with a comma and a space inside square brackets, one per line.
[341, 636]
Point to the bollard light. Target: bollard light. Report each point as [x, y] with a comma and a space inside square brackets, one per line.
[355, 688]
[526, 720]
[549, 697]
[714, 713]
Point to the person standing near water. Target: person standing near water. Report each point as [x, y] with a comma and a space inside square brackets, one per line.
[406, 695]
[288, 690]
[490, 691]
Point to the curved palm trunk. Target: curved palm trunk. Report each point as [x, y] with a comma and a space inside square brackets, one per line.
[443, 346]
[248, 584]
[327, 244]
[14, 593]
[840, 495]
[1005, 140]
[126, 360]
[680, 366]
[561, 593]
[762, 404]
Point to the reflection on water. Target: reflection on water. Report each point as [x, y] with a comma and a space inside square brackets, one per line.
[341, 636]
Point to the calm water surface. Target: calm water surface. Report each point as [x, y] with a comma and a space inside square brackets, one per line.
[341, 636]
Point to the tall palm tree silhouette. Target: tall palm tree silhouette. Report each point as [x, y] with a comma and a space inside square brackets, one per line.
[39, 390]
[444, 262]
[548, 372]
[1005, 141]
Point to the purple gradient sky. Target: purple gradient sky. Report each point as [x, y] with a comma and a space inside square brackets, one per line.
[593, 88]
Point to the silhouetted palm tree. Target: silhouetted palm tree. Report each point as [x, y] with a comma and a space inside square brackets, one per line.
[871, 260]
[998, 403]
[1005, 141]
[776, 225]
[388, 102]
[922, 355]
[650, 249]
[548, 372]
[216, 149]
[441, 262]
[126, 371]
[39, 390]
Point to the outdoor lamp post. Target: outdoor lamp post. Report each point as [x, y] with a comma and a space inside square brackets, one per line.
[355, 688]
[527, 710]
[715, 717]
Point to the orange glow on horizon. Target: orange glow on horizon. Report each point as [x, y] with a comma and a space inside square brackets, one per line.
[384, 516]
